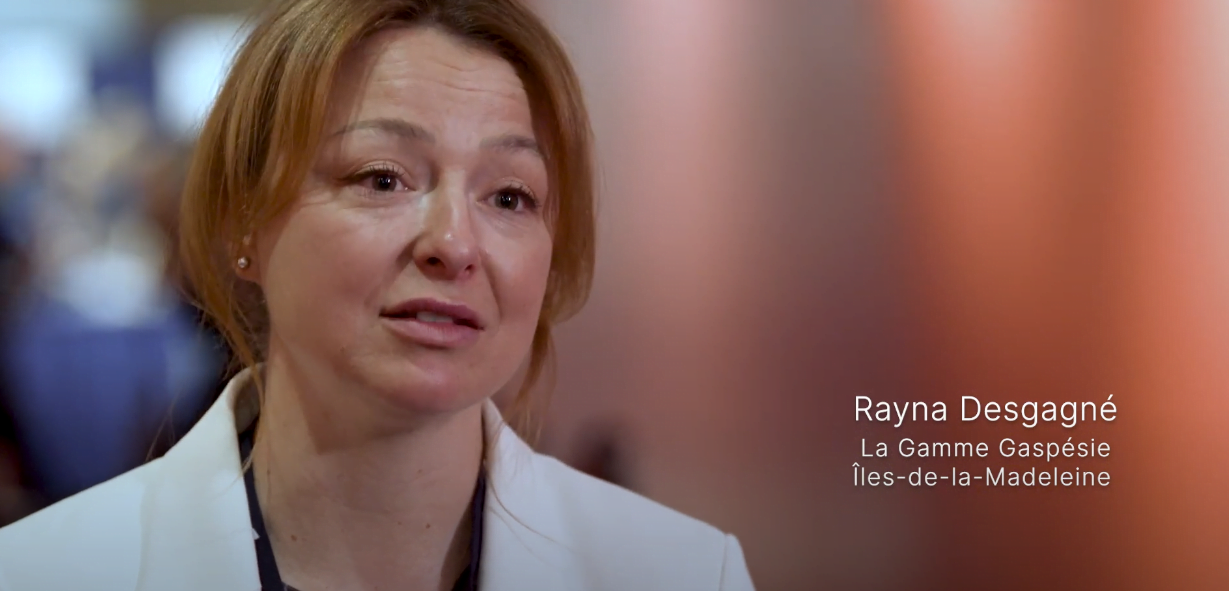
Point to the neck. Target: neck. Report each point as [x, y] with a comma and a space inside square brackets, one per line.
[351, 503]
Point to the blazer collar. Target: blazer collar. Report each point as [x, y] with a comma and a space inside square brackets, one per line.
[197, 526]
[523, 540]
[196, 513]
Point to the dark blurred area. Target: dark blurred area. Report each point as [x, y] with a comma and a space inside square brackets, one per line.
[103, 363]
[802, 202]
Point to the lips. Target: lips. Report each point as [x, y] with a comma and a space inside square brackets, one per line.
[434, 323]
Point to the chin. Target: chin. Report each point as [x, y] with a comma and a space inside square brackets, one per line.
[428, 388]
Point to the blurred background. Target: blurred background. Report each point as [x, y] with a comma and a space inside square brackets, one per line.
[802, 202]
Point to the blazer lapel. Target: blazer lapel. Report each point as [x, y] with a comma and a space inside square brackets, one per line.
[197, 531]
[524, 542]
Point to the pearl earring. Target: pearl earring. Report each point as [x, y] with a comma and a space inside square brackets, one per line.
[244, 263]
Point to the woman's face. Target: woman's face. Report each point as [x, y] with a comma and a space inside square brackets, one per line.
[414, 263]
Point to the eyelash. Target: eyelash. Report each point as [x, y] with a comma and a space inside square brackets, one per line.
[373, 171]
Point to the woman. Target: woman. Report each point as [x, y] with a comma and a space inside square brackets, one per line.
[390, 207]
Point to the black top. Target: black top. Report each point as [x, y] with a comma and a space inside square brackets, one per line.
[271, 579]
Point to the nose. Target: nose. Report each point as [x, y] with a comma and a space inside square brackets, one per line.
[446, 247]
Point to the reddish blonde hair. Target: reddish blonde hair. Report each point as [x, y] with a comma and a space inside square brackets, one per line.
[267, 122]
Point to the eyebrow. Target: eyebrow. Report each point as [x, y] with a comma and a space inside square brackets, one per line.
[397, 127]
[513, 143]
[410, 131]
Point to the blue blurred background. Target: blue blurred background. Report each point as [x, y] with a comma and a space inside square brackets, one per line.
[102, 363]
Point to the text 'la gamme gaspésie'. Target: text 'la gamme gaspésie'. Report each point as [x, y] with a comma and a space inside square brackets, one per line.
[1028, 414]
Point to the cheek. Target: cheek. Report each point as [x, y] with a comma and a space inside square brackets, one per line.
[519, 276]
[322, 272]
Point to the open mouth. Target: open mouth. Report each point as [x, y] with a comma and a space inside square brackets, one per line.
[433, 323]
[431, 318]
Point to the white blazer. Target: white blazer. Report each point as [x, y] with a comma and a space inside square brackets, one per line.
[181, 523]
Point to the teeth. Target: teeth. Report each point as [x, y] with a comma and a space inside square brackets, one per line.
[433, 317]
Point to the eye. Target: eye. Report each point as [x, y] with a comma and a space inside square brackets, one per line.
[514, 199]
[379, 180]
[383, 182]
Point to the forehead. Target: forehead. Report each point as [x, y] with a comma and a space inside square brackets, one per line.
[433, 79]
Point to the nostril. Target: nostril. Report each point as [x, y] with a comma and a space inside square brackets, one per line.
[435, 262]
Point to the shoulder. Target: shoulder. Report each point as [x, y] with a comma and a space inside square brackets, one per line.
[549, 526]
[96, 531]
[616, 509]
[639, 542]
